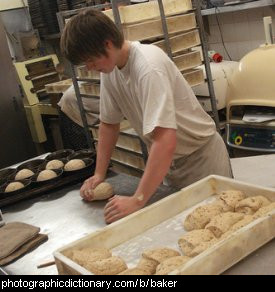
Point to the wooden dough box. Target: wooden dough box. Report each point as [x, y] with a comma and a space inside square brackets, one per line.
[127, 139]
[150, 10]
[214, 260]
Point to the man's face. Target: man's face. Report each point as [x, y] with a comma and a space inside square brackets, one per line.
[104, 64]
[101, 64]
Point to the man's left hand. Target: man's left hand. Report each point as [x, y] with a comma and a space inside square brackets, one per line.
[119, 207]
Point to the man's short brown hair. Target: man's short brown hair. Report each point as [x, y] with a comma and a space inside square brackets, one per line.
[85, 36]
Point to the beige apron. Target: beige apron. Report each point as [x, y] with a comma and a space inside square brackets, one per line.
[212, 158]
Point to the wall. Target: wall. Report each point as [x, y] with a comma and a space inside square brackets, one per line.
[243, 31]
[12, 4]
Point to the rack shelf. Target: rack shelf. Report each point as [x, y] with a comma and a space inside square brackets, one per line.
[238, 7]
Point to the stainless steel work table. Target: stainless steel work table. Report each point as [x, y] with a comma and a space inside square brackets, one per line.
[65, 217]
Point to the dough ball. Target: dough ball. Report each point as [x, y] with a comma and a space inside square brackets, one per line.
[250, 205]
[23, 173]
[229, 199]
[110, 266]
[171, 264]
[102, 192]
[222, 222]
[264, 210]
[54, 164]
[148, 265]
[202, 247]
[14, 186]
[202, 215]
[160, 254]
[134, 271]
[74, 164]
[190, 240]
[246, 220]
[89, 255]
[46, 175]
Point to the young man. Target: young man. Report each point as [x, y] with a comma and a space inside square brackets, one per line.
[140, 83]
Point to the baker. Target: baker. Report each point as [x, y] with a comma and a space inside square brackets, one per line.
[140, 83]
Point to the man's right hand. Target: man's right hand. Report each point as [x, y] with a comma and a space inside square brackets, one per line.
[86, 191]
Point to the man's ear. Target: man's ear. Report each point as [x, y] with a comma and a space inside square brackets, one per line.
[108, 44]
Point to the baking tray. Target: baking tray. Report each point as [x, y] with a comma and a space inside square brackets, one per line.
[160, 224]
[36, 189]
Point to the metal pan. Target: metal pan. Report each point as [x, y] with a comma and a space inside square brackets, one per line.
[64, 153]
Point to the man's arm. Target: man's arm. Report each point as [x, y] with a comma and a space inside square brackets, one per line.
[108, 135]
[159, 161]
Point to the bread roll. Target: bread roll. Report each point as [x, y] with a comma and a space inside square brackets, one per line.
[46, 175]
[74, 164]
[23, 173]
[14, 186]
[54, 164]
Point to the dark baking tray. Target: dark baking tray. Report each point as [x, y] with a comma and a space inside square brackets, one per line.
[36, 189]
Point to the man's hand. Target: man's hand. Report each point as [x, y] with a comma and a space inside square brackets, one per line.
[121, 206]
[86, 191]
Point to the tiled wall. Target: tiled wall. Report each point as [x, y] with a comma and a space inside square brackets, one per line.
[242, 31]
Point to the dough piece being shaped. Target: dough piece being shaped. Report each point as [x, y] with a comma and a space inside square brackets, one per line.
[74, 164]
[171, 264]
[202, 215]
[110, 266]
[202, 247]
[54, 164]
[222, 222]
[190, 240]
[14, 186]
[89, 254]
[160, 254]
[102, 192]
[133, 271]
[250, 205]
[23, 173]
[264, 210]
[229, 199]
[148, 265]
[46, 175]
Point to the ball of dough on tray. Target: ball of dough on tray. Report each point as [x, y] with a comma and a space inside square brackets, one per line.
[74, 164]
[171, 264]
[250, 205]
[110, 266]
[202, 215]
[160, 254]
[148, 265]
[229, 199]
[192, 239]
[46, 175]
[264, 210]
[89, 255]
[14, 186]
[133, 271]
[202, 247]
[222, 222]
[54, 164]
[23, 173]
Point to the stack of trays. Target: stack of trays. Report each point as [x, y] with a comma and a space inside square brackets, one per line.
[37, 16]
[63, 5]
[50, 9]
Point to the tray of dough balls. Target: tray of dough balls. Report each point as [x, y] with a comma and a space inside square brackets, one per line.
[40, 175]
[205, 228]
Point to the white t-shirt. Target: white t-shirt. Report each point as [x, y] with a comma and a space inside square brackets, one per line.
[149, 91]
[69, 105]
